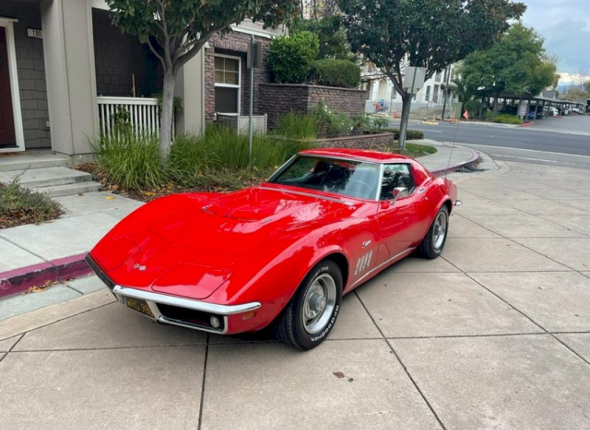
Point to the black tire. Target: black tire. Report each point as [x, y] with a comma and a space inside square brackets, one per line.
[432, 245]
[293, 327]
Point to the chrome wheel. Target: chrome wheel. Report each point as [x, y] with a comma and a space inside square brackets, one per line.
[318, 304]
[439, 231]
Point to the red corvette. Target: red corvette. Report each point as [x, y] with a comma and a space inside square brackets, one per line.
[281, 253]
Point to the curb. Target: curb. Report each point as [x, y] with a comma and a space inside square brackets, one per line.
[526, 124]
[454, 167]
[19, 280]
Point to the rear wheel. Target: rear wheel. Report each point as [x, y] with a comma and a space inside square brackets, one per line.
[435, 239]
[311, 314]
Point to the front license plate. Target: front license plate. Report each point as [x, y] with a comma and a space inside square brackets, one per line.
[139, 306]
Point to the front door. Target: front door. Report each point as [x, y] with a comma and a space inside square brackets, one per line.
[7, 132]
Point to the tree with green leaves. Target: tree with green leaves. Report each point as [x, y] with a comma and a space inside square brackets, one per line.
[517, 64]
[332, 35]
[424, 33]
[175, 32]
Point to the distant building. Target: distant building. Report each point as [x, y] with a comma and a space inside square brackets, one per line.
[428, 101]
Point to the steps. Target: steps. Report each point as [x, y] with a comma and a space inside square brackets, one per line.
[31, 160]
[53, 181]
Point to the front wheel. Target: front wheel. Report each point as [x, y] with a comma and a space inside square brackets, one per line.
[435, 239]
[311, 314]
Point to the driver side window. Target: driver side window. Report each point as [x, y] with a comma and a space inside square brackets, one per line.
[396, 182]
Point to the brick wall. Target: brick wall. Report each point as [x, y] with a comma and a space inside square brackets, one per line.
[118, 56]
[235, 44]
[279, 99]
[376, 142]
[31, 72]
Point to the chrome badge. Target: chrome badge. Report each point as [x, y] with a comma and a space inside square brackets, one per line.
[139, 267]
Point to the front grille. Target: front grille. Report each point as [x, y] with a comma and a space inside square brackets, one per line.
[101, 275]
[189, 316]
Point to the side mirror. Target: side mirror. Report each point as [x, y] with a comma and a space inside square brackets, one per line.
[399, 192]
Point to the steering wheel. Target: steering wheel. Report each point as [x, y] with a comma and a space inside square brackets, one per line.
[368, 188]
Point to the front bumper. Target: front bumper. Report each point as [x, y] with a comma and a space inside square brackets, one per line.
[178, 311]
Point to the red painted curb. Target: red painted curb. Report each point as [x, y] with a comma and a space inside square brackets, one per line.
[526, 124]
[19, 280]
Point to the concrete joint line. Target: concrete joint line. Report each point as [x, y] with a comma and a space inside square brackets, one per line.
[202, 403]
[394, 352]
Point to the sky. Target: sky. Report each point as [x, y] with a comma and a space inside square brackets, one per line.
[565, 25]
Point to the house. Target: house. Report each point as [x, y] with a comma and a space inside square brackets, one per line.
[65, 69]
[382, 94]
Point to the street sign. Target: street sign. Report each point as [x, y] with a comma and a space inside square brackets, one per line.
[523, 109]
[414, 78]
[255, 55]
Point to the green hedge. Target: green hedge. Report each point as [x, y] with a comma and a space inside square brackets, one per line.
[290, 57]
[507, 119]
[410, 134]
[335, 73]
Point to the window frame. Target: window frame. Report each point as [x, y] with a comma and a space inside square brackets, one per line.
[411, 174]
[238, 86]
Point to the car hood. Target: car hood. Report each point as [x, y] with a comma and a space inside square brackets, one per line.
[236, 222]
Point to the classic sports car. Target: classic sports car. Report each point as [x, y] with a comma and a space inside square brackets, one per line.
[281, 253]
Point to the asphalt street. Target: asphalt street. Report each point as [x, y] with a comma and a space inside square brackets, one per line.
[562, 142]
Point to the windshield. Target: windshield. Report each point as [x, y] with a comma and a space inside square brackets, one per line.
[344, 177]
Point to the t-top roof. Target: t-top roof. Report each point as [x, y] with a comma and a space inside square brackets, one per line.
[357, 154]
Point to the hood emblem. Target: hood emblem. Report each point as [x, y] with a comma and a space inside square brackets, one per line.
[139, 267]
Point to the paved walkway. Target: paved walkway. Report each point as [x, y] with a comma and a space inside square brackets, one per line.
[495, 334]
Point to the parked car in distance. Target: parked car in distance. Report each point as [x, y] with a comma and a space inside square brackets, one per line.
[551, 111]
[577, 111]
[282, 253]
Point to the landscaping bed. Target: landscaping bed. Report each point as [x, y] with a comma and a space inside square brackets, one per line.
[19, 206]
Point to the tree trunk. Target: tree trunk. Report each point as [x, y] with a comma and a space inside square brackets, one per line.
[496, 96]
[407, 101]
[167, 114]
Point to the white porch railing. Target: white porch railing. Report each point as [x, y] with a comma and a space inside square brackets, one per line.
[240, 123]
[144, 113]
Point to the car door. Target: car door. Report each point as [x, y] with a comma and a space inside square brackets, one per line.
[396, 213]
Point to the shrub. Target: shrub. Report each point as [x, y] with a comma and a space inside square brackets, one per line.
[380, 122]
[410, 134]
[361, 121]
[331, 123]
[335, 73]
[290, 57]
[19, 205]
[195, 160]
[131, 161]
[298, 126]
[507, 119]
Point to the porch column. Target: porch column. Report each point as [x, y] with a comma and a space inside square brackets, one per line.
[190, 87]
[70, 74]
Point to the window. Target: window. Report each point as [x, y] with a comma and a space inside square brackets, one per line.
[397, 181]
[227, 84]
[427, 93]
[344, 177]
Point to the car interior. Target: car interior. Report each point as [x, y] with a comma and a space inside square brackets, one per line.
[397, 182]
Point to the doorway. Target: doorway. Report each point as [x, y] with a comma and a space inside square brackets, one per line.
[11, 131]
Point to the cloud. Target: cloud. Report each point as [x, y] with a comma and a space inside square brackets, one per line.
[565, 25]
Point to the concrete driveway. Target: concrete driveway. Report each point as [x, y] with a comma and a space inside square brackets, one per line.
[495, 334]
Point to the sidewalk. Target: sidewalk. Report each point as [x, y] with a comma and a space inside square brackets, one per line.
[30, 255]
[493, 334]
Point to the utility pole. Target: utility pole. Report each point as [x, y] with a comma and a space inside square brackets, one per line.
[446, 91]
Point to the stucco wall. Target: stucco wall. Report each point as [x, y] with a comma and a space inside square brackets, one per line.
[31, 72]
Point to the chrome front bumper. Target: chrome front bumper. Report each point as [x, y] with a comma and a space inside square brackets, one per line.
[154, 300]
